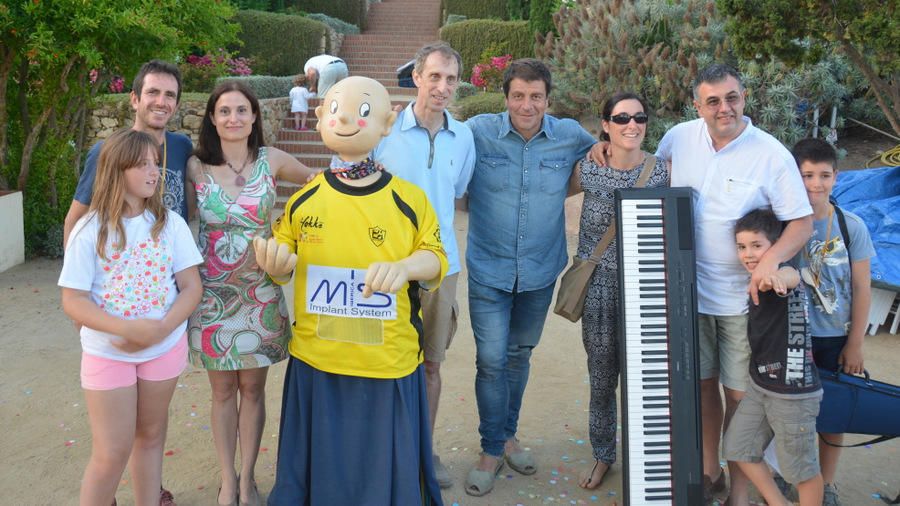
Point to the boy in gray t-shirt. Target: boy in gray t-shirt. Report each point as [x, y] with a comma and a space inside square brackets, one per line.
[835, 264]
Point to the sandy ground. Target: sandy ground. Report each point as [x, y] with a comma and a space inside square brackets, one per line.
[45, 439]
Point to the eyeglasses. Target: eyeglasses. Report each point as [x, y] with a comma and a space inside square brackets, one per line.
[624, 118]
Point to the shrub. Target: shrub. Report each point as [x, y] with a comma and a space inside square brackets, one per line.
[480, 103]
[472, 36]
[454, 18]
[199, 73]
[488, 75]
[477, 9]
[336, 24]
[351, 11]
[465, 89]
[656, 47]
[541, 18]
[279, 44]
[264, 86]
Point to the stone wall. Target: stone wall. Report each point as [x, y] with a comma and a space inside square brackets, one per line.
[111, 115]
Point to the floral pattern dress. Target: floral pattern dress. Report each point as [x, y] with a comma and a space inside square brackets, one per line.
[242, 320]
[599, 324]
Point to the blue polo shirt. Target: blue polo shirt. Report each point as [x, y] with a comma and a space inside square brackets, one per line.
[516, 211]
[441, 166]
[178, 150]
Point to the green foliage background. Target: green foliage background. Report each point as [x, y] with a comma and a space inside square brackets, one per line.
[266, 41]
[865, 32]
[656, 48]
[481, 103]
[474, 37]
[351, 11]
[47, 52]
[476, 9]
[264, 86]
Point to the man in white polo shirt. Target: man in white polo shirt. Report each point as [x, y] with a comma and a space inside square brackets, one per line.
[323, 71]
[437, 153]
[733, 168]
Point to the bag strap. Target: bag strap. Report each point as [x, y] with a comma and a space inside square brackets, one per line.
[879, 439]
[609, 235]
[845, 233]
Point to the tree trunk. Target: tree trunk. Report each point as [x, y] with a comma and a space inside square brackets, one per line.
[31, 141]
[7, 57]
[24, 113]
[28, 149]
[884, 95]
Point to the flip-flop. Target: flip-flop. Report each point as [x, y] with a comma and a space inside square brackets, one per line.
[479, 483]
[521, 462]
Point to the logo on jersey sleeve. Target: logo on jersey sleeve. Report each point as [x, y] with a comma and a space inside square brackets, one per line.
[337, 291]
[376, 235]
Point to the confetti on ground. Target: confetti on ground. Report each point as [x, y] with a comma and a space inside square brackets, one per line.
[169, 453]
[579, 442]
[70, 442]
[593, 498]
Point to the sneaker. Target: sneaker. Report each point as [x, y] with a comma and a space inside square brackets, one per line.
[831, 496]
[441, 473]
[714, 490]
[787, 490]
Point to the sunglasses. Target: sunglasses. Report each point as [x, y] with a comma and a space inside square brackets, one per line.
[624, 118]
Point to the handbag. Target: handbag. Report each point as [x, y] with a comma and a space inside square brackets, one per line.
[574, 283]
[855, 405]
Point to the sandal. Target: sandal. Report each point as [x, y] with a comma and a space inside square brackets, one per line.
[255, 499]
[479, 483]
[232, 503]
[166, 498]
[590, 477]
[522, 462]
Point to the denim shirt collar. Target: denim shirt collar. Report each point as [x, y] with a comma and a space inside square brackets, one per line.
[506, 127]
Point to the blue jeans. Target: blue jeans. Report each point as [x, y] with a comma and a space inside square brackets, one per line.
[507, 326]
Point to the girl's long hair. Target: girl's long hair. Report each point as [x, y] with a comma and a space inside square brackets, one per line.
[123, 150]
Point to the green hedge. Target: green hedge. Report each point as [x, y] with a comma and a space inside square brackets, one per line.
[476, 9]
[280, 44]
[472, 37]
[351, 11]
[338, 25]
[264, 86]
[479, 104]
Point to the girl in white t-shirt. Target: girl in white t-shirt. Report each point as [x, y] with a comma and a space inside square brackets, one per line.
[129, 281]
[300, 95]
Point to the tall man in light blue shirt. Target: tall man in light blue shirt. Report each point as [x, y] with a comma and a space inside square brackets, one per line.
[431, 149]
[516, 249]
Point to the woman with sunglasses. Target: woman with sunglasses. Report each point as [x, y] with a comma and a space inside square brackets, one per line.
[624, 123]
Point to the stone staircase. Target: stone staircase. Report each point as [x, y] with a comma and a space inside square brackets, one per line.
[397, 29]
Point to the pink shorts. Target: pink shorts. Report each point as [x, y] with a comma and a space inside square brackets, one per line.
[99, 373]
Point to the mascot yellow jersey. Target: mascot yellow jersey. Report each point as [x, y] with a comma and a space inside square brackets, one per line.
[337, 231]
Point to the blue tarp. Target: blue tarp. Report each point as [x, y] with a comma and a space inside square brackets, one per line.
[874, 196]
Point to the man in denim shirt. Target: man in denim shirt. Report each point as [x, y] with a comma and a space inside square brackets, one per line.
[516, 249]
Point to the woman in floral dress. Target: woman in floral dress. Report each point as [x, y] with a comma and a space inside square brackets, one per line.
[624, 121]
[241, 325]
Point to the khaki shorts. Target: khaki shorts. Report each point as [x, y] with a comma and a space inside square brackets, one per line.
[725, 350]
[439, 313]
[761, 417]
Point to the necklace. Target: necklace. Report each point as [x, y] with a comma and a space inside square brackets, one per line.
[239, 179]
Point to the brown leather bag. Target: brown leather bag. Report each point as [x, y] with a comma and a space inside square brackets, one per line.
[573, 285]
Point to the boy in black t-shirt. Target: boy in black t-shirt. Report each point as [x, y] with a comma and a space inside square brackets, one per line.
[783, 399]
